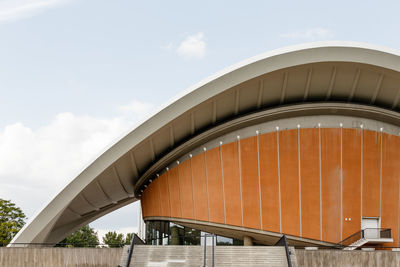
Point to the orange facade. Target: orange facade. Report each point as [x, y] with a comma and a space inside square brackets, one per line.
[311, 183]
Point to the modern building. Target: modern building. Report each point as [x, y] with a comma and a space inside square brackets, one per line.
[302, 141]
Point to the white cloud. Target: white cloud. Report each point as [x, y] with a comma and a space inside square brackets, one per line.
[193, 46]
[37, 163]
[312, 34]
[136, 107]
[12, 10]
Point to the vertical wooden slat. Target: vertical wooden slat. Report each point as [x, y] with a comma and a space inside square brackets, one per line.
[351, 181]
[289, 173]
[231, 183]
[371, 173]
[164, 196]
[186, 190]
[250, 182]
[200, 188]
[214, 177]
[174, 196]
[330, 170]
[309, 161]
[390, 185]
[269, 181]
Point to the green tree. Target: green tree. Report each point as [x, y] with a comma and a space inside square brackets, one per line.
[11, 221]
[84, 237]
[128, 238]
[114, 240]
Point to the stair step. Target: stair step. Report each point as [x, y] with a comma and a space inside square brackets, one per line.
[193, 256]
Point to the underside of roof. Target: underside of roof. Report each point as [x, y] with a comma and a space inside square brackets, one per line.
[328, 75]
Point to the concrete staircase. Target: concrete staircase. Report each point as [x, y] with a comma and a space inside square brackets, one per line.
[168, 256]
[356, 244]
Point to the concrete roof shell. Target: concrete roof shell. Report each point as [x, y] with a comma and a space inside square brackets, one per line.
[115, 178]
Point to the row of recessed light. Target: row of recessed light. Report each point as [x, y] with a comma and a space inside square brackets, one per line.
[238, 137]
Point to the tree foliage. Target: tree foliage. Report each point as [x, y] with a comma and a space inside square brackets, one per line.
[128, 238]
[83, 237]
[11, 221]
[114, 240]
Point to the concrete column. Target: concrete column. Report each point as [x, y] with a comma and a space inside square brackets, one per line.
[247, 241]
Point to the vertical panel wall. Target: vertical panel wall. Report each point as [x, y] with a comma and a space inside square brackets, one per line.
[200, 188]
[186, 189]
[269, 182]
[351, 190]
[152, 204]
[215, 192]
[155, 198]
[145, 202]
[174, 194]
[250, 182]
[310, 186]
[164, 190]
[390, 185]
[230, 168]
[371, 174]
[275, 180]
[330, 184]
[289, 181]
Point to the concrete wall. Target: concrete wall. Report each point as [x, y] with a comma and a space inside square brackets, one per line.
[60, 257]
[315, 183]
[337, 258]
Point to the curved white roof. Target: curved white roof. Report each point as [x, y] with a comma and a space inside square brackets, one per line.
[329, 72]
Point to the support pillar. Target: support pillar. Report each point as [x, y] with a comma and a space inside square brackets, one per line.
[247, 241]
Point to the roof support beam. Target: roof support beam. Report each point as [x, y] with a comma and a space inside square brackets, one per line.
[104, 193]
[260, 93]
[396, 99]
[88, 202]
[120, 182]
[331, 83]
[152, 152]
[171, 136]
[355, 83]
[74, 212]
[308, 83]
[134, 165]
[214, 113]
[377, 88]
[237, 99]
[192, 124]
[284, 85]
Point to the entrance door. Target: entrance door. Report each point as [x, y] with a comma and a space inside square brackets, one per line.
[370, 227]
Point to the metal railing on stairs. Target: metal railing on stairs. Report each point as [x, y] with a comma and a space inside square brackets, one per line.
[205, 249]
[371, 233]
[283, 242]
[135, 240]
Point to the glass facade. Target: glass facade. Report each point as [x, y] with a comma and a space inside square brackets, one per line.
[168, 233]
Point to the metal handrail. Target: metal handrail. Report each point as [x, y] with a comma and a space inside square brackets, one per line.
[135, 239]
[283, 242]
[130, 251]
[382, 233]
[205, 249]
[345, 241]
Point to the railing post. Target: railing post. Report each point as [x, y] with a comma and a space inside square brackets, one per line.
[213, 244]
[205, 250]
[283, 242]
[130, 251]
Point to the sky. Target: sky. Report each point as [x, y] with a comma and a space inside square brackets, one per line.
[77, 75]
